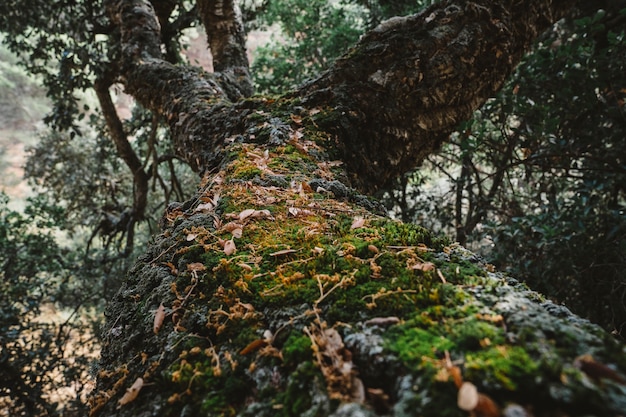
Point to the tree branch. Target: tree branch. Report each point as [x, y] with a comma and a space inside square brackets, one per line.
[227, 41]
[407, 84]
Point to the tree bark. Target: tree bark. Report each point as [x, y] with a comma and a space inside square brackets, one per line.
[279, 289]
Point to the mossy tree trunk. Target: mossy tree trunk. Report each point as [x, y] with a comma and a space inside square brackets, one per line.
[282, 289]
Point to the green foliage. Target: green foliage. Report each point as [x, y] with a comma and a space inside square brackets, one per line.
[311, 36]
[536, 179]
[33, 273]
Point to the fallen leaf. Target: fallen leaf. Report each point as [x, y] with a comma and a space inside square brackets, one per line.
[230, 226]
[196, 267]
[262, 214]
[597, 370]
[252, 346]
[244, 266]
[317, 250]
[237, 233]
[131, 393]
[246, 213]
[357, 223]
[296, 119]
[283, 252]
[382, 321]
[423, 266]
[204, 207]
[229, 247]
[441, 277]
[468, 396]
[372, 248]
[191, 236]
[159, 316]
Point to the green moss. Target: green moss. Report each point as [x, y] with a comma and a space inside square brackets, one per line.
[297, 349]
[501, 367]
[413, 345]
[394, 233]
[246, 172]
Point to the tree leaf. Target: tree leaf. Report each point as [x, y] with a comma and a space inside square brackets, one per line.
[357, 223]
[159, 316]
[246, 213]
[230, 247]
[131, 393]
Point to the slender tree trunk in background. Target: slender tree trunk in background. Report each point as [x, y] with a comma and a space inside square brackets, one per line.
[280, 289]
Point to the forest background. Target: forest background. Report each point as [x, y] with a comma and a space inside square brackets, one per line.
[535, 182]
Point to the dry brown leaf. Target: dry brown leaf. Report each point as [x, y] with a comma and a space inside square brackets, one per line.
[131, 393]
[468, 396]
[283, 252]
[423, 266]
[357, 223]
[317, 250]
[230, 226]
[382, 321]
[244, 266]
[191, 236]
[246, 213]
[237, 233]
[252, 346]
[196, 267]
[296, 119]
[262, 214]
[293, 211]
[204, 207]
[159, 316]
[372, 248]
[230, 247]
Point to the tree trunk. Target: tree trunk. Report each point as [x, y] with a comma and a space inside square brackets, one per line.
[281, 289]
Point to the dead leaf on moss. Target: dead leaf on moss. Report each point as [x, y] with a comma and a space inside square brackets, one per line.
[283, 252]
[131, 393]
[204, 207]
[237, 233]
[196, 267]
[296, 118]
[246, 213]
[159, 316]
[253, 346]
[230, 247]
[357, 223]
[382, 321]
[244, 266]
[422, 266]
[467, 398]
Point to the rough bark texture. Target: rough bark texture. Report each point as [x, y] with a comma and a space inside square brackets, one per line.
[409, 82]
[280, 290]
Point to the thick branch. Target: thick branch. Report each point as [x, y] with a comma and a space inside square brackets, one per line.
[185, 97]
[392, 100]
[407, 84]
[227, 41]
